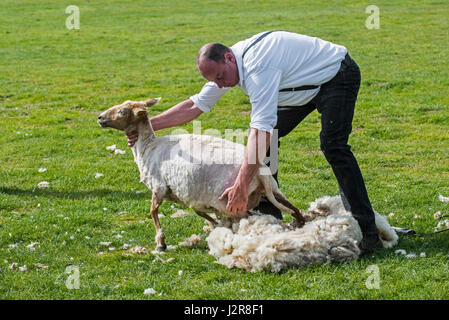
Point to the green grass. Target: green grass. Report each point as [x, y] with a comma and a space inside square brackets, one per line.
[54, 82]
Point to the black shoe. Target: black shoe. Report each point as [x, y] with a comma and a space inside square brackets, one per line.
[266, 207]
[369, 244]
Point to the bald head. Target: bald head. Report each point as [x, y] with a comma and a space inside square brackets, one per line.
[212, 52]
[217, 63]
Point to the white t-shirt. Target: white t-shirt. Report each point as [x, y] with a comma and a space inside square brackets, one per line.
[280, 60]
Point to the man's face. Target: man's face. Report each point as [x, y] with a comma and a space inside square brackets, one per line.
[224, 74]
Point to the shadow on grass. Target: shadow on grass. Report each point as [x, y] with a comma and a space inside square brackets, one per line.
[75, 194]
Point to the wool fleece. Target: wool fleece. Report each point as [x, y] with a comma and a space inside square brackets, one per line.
[261, 242]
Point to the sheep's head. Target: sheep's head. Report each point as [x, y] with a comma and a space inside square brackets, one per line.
[127, 115]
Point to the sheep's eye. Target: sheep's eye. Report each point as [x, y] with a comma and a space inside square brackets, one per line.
[122, 112]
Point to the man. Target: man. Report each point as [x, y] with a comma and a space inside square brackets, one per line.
[286, 76]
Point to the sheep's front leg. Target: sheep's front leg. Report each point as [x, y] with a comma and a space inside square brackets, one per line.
[160, 237]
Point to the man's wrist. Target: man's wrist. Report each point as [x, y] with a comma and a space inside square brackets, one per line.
[243, 180]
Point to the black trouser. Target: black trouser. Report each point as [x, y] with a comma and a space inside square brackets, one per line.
[336, 102]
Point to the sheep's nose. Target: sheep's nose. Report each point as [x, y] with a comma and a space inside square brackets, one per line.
[102, 120]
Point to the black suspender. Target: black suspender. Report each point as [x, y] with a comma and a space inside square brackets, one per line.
[256, 41]
[301, 88]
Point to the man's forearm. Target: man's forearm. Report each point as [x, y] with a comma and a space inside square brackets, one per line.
[256, 149]
[179, 114]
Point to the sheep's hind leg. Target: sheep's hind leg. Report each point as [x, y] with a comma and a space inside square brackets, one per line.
[160, 237]
[298, 219]
[207, 217]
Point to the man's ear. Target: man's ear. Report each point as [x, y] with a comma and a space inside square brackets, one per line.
[229, 56]
[140, 112]
[152, 102]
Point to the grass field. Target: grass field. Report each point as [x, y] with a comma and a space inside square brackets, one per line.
[54, 82]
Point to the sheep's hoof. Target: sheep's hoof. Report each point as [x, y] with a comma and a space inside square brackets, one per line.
[298, 220]
[161, 248]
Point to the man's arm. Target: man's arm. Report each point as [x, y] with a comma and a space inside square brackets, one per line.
[255, 151]
[263, 88]
[179, 114]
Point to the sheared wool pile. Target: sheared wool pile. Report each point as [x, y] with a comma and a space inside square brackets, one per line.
[261, 242]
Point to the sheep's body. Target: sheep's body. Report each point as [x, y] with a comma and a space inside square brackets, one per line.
[264, 243]
[191, 169]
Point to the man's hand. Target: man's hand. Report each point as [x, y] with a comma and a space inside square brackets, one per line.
[132, 138]
[256, 148]
[182, 113]
[237, 200]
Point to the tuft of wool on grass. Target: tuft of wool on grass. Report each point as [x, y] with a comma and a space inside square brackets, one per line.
[138, 250]
[43, 185]
[179, 214]
[32, 245]
[149, 291]
[41, 266]
[442, 198]
[261, 242]
[119, 151]
[192, 241]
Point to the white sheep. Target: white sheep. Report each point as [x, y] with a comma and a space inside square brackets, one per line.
[263, 243]
[193, 170]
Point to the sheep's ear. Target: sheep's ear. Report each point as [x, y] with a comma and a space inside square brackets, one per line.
[140, 112]
[152, 102]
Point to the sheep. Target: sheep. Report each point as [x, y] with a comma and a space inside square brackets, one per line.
[192, 170]
[261, 243]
